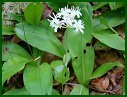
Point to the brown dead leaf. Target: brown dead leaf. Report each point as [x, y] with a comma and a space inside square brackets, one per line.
[102, 57]
[48, 57]
[116, 75]
[121, 31]
[117, 89]
[116, 80]
[67, 90]
[100, 83]
[105, 83]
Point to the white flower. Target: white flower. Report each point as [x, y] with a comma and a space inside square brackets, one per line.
[66, 19]
[69, 12]
[56, 23]
[79, 25]
[77, 12]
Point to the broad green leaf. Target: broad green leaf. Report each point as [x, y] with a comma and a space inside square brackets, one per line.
[7, 30]
[40, 37]
[15, 57]
[88, 6]
[38, 79]
[45, 24]
[16, 17]
[112, 19]
[9, 49]
[55, 92]
[104, 68]
[71, 37]
[76, 42]
[12, 66]
[60, 71]
[115, 5]
[99, 5]
[110, 39]
[83, 65]
[79, 90]
[112, 5]
[103, 21]
[21, 91]
[33, 13]
[57, 5]
[73, 41]
[88, 28]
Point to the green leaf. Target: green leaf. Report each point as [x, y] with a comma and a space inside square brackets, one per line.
[9, 49]
[79, 90]
[38, 79]
[12, 66]
[45, 24]
[115, 5]
[60, 71]
[112, 5]
[16, 17]
[104, 68]
[112, 40]
[55, 92]
[103, 21]
[33, 13]
[7, 30]
[16, 58]
[83, 65]
[40, 37]
[112, 19]
[76, 42]
[88, 6]
[99, 5]
[56, 5]
[21, 91]
[88, 25]
[71, 37]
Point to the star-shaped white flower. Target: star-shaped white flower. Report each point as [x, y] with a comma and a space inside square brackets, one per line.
[69, 12]
[56, 23]
[79, 25]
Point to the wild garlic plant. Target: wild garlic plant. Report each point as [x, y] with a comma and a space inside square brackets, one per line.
[75, 53]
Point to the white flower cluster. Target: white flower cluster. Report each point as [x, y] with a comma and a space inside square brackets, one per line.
[66, 19]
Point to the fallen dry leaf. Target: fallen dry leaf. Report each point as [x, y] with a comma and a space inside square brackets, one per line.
[100, 83]
[48, 57]
[105, 83]
[67, 90]
[102, 57]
